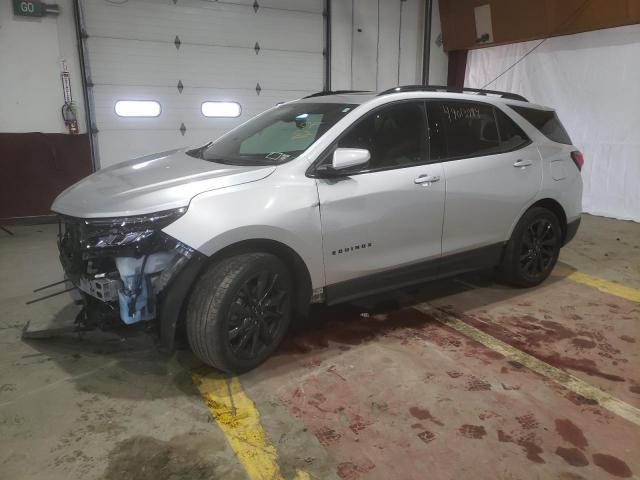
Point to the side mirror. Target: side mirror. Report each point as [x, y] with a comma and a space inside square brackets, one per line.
[349, 157]
[344, 158]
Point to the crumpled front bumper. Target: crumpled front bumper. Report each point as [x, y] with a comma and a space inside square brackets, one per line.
[131, 281]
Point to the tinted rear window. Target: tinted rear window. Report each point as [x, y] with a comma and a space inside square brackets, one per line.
[547, 122]
[461, 129]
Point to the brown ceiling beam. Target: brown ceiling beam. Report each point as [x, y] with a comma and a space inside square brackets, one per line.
[521, 20]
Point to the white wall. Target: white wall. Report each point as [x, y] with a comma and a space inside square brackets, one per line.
[592, 79]
[438, 60]
[30, 53]
[388, 50]
[385, 53]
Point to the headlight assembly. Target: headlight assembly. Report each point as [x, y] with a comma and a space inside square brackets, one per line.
[131, 231]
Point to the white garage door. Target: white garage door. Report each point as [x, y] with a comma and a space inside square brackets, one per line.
[182, 53]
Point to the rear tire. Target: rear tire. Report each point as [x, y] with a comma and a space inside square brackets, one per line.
[533, 249]
[240, 311]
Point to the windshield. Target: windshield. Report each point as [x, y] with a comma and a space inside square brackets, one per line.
[275, 137]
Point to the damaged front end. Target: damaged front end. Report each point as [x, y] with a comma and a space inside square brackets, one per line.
[125, 266]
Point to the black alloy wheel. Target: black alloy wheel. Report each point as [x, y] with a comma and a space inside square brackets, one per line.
[538, 248]
[240, 310]
[255, 315]
[533, 249]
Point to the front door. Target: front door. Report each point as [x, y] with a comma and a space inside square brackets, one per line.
[382, 224]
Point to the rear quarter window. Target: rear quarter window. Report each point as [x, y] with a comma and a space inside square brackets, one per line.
[546, 121]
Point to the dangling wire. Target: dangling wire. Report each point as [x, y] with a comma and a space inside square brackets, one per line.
[569, 19]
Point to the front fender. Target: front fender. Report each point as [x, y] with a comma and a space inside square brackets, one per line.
[284, 210]
[173, 299]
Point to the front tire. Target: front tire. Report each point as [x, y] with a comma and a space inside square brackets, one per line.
[533, 249]
[240, 311]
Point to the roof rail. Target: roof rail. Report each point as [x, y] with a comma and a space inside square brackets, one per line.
[335, 92]
[441, 88]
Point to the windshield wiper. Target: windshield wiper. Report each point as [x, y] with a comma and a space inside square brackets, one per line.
[241, 162]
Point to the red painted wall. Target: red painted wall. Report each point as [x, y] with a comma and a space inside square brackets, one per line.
[36, 167]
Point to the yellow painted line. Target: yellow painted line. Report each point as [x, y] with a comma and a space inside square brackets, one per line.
[605, 286]
[559, 376]
[239, 419]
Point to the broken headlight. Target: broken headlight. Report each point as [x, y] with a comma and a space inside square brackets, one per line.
[127, 231]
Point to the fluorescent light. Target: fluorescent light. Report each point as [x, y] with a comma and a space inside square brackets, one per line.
[221, 109]
[137, 108]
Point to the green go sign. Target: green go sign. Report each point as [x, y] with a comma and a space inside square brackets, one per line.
[28, 8]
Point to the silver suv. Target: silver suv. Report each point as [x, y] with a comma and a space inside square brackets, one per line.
[332, 197]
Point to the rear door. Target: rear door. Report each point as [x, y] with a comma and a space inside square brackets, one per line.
[382, 224]
[492, 172]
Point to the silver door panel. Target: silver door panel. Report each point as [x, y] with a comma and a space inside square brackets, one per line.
[485, 195]
[378, 221]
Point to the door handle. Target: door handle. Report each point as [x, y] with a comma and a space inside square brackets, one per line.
[522, 163]
[426, 179]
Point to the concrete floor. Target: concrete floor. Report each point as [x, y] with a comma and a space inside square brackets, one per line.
[376, 390]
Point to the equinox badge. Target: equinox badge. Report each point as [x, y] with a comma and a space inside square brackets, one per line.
[362, 246]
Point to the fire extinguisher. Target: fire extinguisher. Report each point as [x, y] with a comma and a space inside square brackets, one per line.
[68, 108]
[69, 117]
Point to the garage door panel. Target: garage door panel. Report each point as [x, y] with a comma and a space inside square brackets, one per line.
[124, 62]
[180, 108]
[314, 6]
[203, 23]
[132, 56]
[302, 6]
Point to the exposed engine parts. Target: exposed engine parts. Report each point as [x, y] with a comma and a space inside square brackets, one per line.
[125, 262]
[105, 289]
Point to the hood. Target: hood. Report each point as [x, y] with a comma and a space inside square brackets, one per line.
[151, 184]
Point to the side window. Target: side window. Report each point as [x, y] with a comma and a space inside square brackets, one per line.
[396, 136]
[511, 135]
[469, 128]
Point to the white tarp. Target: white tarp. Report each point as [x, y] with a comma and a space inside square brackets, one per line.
[592, 79]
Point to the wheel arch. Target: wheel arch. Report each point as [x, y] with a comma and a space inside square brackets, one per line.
[509, 267]
[291, 258]
[555, 207]
[175, 299]
[550, 204]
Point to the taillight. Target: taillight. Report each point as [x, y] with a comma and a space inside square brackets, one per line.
[578, 159]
